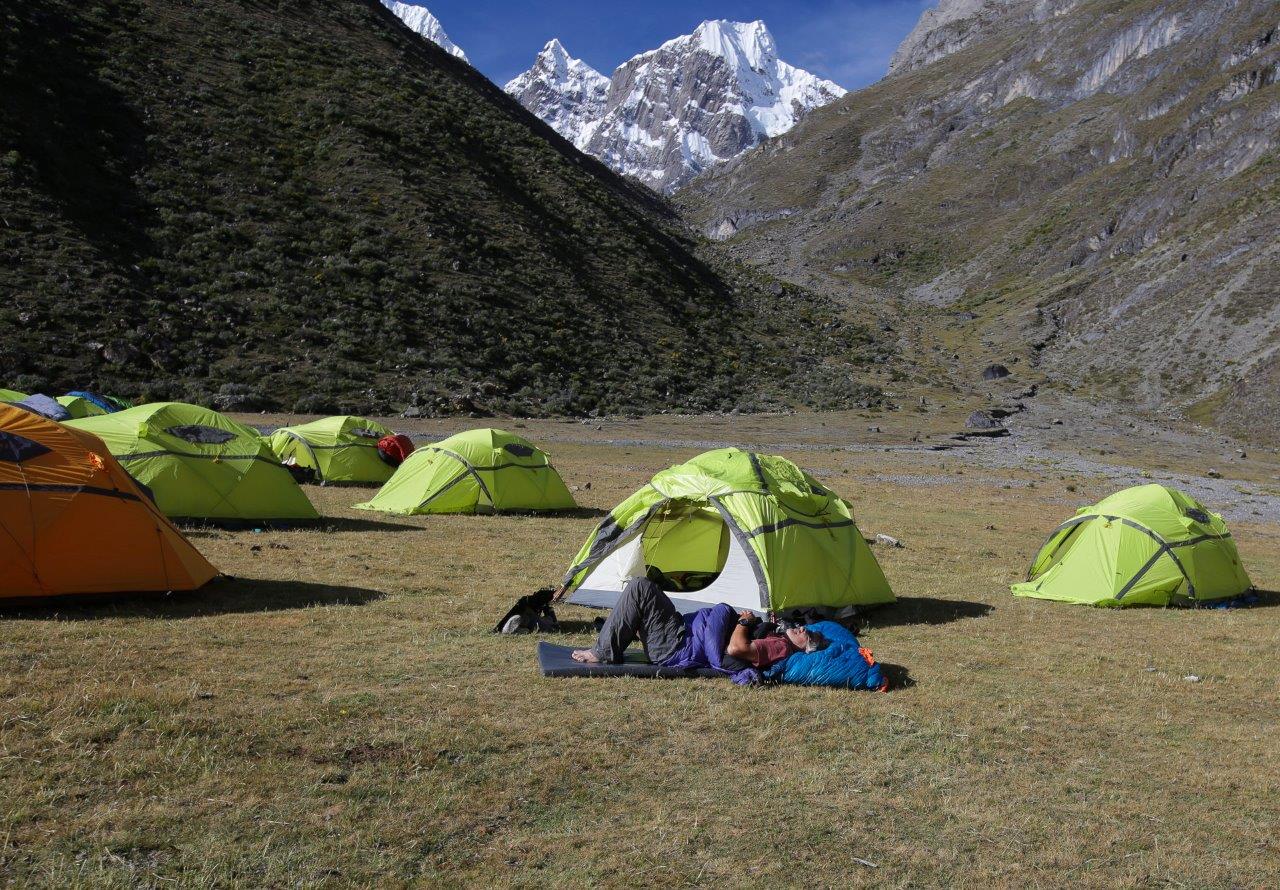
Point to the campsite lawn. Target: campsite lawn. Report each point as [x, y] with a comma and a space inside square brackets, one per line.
[340, 714]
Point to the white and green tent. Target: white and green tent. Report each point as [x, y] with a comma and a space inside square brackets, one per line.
[751, 530]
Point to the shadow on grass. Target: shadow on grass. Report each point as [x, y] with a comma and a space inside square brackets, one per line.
[221, 596]
[576, 513]
[365, 525]
[326, 524]
[585, 513]
[897, 675]
[1255, 599]
[577, 626]
[925, 610]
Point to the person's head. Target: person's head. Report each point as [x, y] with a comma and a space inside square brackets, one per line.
[804, 639]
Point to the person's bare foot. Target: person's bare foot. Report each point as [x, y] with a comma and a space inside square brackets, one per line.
[586, 656]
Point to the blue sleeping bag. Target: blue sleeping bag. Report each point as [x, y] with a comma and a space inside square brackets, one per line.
[844, 664]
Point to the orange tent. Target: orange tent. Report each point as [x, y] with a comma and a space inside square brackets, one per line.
[72, 521]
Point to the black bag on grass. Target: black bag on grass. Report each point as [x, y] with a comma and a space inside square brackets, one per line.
[530, 613]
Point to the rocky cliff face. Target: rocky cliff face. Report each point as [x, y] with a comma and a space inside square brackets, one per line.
[945, 29]
[669, 114]
[1089, 186]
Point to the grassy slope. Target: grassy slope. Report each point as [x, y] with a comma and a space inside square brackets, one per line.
[309, 203]
[352, 721]
[915, 177]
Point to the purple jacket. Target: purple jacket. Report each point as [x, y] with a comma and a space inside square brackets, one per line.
[708, 635]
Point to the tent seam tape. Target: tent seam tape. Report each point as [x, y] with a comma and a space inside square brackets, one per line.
[467, 465]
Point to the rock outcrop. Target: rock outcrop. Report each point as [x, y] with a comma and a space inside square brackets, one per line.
[943, 30]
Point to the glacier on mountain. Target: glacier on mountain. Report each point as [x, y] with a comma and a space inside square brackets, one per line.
[668, 114]
[422, 22]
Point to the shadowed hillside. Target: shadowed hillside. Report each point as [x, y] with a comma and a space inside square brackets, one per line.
[304, 205]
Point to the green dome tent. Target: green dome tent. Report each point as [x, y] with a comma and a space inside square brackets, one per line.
[1146, 545]
[199, 464]
[337, 449]
[79, 407]
[765, 534]
[479, 471]
[11, 395]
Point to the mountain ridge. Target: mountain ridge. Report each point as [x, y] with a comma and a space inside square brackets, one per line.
[307, 206]
[1087, 188]
[667, 114]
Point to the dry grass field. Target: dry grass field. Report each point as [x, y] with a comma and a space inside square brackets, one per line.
[339, 713]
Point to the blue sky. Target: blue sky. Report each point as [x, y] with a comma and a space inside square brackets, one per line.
[849, 42]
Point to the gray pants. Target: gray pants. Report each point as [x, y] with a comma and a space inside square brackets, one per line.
[645, 612]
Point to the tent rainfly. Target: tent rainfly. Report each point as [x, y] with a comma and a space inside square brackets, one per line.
[72, 521]
[1147, 545]
[479, 471]
[79, 406]
[200, 464]
[336, 449]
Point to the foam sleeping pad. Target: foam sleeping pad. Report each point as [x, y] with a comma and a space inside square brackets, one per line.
[557, 661]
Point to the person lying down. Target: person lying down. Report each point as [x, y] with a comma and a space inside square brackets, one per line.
[645, 612]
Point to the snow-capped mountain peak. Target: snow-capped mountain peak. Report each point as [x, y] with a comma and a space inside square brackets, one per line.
[669, 113]
[554, 61]
[555, 55]
[741, 44]
[421, 21]
[565, 92]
